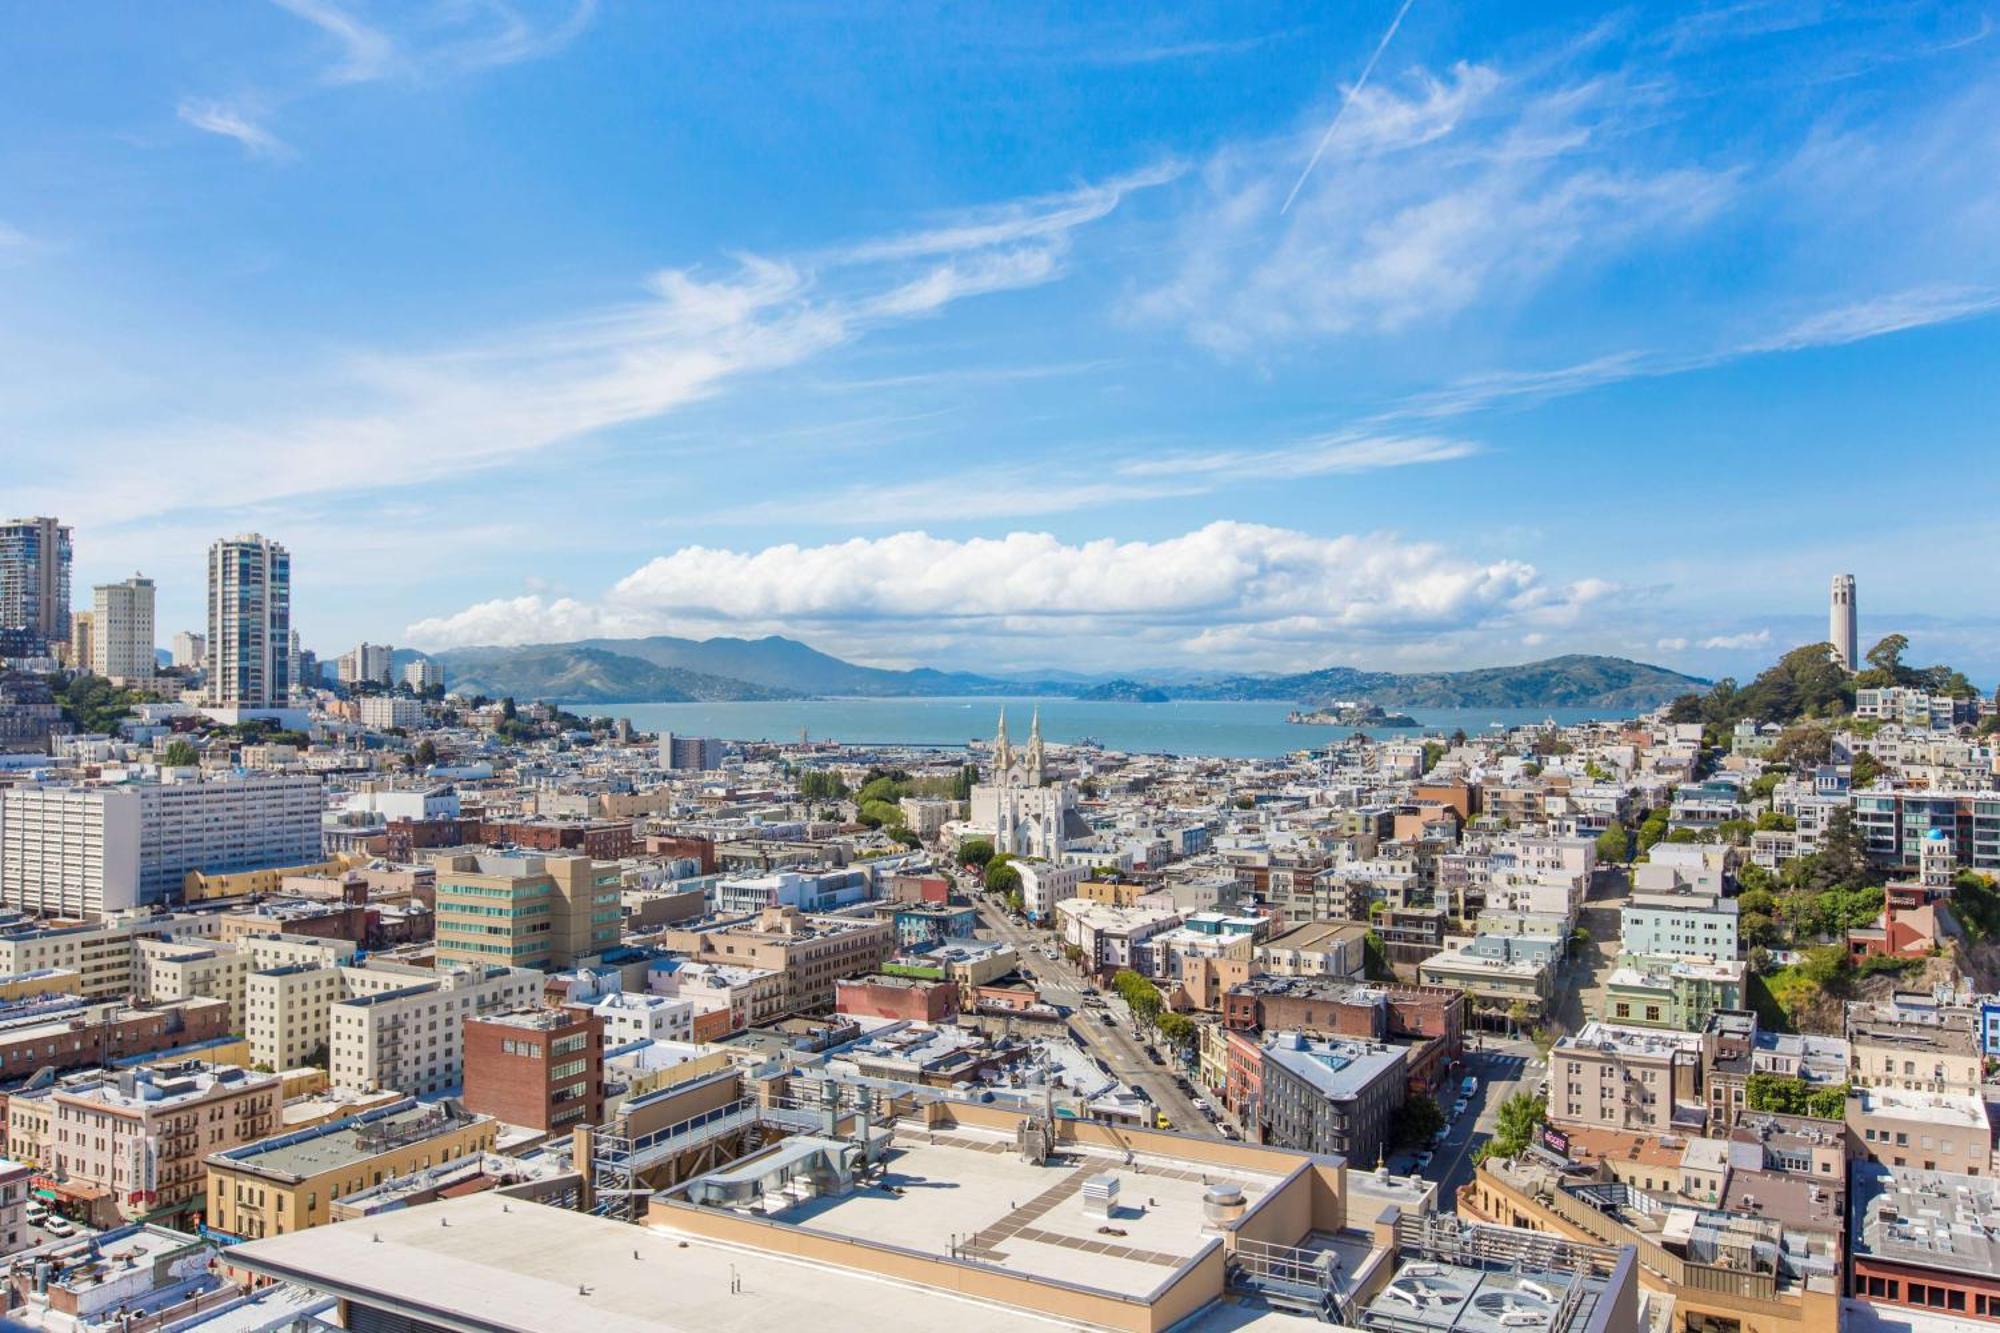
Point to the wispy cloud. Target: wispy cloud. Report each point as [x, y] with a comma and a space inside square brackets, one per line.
[425, 414]
[456, 38]
[1892, 312]
[1346, 100]
[1162, 52]
[237, 123]
[1439, 193]
[1041, 218]
[367, 53]
[1873, 317]
[1760, 638]
[1045, 489]
[1323, 456]
[511, 38]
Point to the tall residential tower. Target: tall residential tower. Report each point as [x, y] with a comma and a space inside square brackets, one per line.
[249, 623]
[1840, 630]
[34, 578]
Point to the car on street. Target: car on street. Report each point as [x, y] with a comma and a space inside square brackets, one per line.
[1468, 1087]
[1458, 1108]
[1424, 1159]
[59, 1226]
[1199, 1105]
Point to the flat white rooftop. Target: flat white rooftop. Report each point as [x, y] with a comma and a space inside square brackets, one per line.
[972, 1188]
[490, 1265]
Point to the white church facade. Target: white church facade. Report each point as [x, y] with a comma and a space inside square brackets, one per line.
[1026, 815]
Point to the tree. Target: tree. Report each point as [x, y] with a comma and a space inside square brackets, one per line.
[1652, 830]
[1002, 878]
[909, 837]
[1864, 769]
[884, 789]
[975, 852]
[1614, 845]
[1420, 1121]
[961, 786]
[508, 710]
[819, 784]
[1806, 745]
[426, 753]
[180, 754]
[1843, 850]
[1178, 1031]
[1514, 1128]
[1885, 662]
[877, 813]
[1792, 1096]
[1375, 965]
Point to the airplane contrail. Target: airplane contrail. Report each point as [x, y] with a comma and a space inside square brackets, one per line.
[1345, 102]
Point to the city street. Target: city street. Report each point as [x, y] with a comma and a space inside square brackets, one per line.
[1503, 1067]
[1583, 979]
[1114, 1042]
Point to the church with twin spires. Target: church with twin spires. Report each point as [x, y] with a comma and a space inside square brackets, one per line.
[1026, 815]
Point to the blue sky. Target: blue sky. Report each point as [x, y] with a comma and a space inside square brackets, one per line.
[1086, 335]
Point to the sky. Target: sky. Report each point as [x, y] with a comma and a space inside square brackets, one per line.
[1226, 336]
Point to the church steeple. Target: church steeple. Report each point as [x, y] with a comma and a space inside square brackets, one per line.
[1003, 753]
[1036, 756]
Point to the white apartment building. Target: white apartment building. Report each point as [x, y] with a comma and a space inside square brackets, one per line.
[368, 661]
[630, 1016]
[190, 649]
[412, 1039]
[122, 630]
[183, 969]
[103, 956]
[379, 712]
[1673, 925]
[84, 851]
[423, 673]
[287, 1013]
[1046, 883]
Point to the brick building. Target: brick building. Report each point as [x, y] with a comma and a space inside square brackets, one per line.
[601, 840]
[1430, 1018]
[73, 1034]
[538, 1068]
[906, 998]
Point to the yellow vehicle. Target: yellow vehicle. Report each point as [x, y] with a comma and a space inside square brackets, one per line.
[1160, 1120]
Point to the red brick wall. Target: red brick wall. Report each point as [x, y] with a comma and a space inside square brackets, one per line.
[516, 1088]
[138, 1033]
[703, 849]
[933, 1002]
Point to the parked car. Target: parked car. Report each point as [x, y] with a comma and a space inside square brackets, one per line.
[59, 1226]
[1458, 1108]
[1199, 1105]
[1424, 1159]
[1468, 1087]
[38, 1213]
[1437, 1139]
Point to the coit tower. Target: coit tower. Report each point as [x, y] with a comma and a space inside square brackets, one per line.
[1840, 620]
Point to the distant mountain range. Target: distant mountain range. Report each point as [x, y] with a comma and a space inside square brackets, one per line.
[664, 669]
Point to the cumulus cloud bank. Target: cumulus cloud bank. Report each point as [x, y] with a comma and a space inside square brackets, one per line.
[1225, 594]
